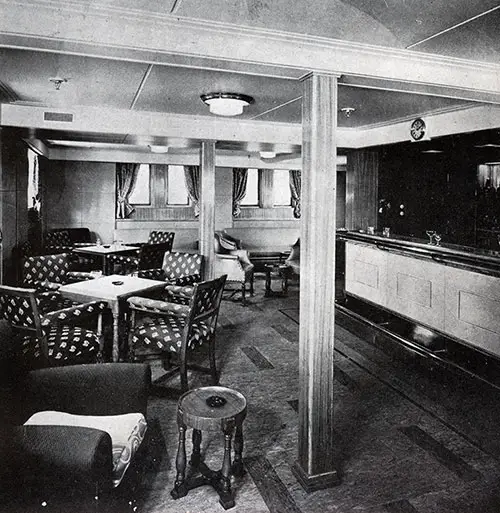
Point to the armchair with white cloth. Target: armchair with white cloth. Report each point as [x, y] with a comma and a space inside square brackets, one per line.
[232, 260]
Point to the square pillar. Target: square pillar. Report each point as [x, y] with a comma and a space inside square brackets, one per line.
[315, 467]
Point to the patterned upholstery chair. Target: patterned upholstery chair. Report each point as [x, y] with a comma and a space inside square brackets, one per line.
[75, 436]
[172, 328]
[64, 240]
[46, 335]
[156, 237]
[181, 271]
[49, 272]
[150, 256]
[232, 260]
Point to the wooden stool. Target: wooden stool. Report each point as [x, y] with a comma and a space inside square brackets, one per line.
[210, 409]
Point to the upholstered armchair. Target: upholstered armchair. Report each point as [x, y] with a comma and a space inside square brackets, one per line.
[181, 271]
[293, 260]
[233, 261]
[49, 330]
[64, 240]
[149, 256]
[160, 328]
[70, 434]
[49, 272]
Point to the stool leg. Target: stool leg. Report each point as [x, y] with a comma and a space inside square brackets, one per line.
[226, 495]
[237, 468]
[195, 456]
[180, 489]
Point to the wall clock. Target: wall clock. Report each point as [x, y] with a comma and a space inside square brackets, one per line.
[417, 129]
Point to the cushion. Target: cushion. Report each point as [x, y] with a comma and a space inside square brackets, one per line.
[126, 431]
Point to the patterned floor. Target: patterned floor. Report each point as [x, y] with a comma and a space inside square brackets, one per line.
[411, 437]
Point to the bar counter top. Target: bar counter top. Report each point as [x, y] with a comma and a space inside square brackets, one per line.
[475, 259]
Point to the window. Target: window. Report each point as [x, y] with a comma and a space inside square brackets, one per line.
[176, 186]
[281, 188]
[141, 195]
[251, 198]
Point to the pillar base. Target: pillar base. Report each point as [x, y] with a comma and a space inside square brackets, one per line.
[315, 482]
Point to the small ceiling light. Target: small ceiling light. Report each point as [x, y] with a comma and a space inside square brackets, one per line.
[267, 154]
[488, 145]
[57, 81]
[347, 111]
[158, 149]
[226, 104]
[432, 151]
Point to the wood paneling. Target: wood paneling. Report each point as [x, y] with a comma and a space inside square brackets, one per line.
[361, 189]
[473, 308]
[415, 288]
[366, 272]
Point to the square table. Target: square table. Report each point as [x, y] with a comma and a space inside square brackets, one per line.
[114, 289]
[104, 251]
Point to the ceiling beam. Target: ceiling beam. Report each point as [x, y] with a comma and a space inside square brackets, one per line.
[82, 27]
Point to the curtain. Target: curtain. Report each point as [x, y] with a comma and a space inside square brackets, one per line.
[240, 175]
[192, 177]
[295, 190]
[126, 176]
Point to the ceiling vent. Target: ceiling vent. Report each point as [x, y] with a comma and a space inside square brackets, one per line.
[58, 116]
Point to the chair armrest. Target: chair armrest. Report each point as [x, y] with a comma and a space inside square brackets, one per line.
[76, 276]
[152, 274]
[74, 313]
[143, 304]
[226, 256]
[189, 279]
[42, 285]
[53, 454]
[89, 389]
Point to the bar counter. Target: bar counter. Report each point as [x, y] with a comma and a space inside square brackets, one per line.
[451, 290]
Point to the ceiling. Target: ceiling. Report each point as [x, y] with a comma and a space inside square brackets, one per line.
[463, 29]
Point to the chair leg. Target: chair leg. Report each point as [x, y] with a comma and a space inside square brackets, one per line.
[243, 294]
[213, 367]
[251, 285]
[183, 373]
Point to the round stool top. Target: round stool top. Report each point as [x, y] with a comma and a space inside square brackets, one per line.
[194, 411]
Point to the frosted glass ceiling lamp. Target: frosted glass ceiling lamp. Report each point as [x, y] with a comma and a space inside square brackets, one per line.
[267, 154]
[226, 104]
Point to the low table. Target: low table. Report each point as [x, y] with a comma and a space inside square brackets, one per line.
[114, 289]
[210, 409]
[104, 251]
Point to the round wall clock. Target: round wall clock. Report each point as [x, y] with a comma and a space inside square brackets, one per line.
[417, 129]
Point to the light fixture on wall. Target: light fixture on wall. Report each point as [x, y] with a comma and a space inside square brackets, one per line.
[58, 81]
[155, 148]
[226, 104]
[347, 111]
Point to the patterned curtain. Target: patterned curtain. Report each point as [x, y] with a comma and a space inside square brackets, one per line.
[126, 177]
[240, 175]
[192, 177]
[295, 189]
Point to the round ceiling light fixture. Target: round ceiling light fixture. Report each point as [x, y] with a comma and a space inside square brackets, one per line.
[347, 111]
[267, 154]
[226, 104]
[155, 148]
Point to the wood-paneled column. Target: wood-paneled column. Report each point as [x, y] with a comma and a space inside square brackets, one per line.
[315, 467]
[207, 205]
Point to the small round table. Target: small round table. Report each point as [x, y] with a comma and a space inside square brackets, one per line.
[276, 271]
[210, 409]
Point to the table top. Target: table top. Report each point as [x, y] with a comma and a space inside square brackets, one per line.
[111, 287]
[106, 249]
[198, 414]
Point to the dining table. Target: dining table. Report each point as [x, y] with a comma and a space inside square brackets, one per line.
[103, 251]
[115, 289]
